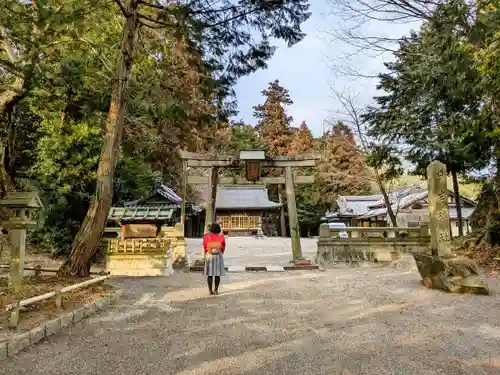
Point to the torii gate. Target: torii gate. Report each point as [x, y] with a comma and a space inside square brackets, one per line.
[252, 160]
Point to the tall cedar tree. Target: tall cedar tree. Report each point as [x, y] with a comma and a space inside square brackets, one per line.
[342, 168]
[274, 125]
[302, 140]
[226, 34]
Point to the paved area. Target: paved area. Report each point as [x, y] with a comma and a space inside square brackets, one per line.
[343, 321]
[249, 251]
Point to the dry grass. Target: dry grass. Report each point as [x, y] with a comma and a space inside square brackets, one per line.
[35, 314]
[487, 257]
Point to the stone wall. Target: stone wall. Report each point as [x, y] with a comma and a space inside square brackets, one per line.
[138, 264]
[369, 244]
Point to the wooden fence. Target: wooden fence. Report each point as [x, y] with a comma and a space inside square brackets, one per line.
[138, 246]
[15, 308]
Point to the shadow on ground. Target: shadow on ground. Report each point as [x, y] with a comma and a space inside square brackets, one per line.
[359, 321]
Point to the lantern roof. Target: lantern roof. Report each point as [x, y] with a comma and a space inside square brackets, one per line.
[22, 199]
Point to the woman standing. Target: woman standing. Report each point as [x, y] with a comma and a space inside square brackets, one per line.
[214, 245]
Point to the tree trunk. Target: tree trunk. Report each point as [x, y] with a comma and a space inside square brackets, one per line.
[387, 201]
[88, 237]
[458, 203]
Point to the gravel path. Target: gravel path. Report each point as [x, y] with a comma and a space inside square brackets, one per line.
[248, 251]
[343, 321]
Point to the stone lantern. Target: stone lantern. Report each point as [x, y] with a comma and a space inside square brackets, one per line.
[23, 210]
[252, 159]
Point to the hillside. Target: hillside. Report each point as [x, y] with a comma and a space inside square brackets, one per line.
[469, 190]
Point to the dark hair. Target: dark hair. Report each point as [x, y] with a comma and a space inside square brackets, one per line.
[215, 228]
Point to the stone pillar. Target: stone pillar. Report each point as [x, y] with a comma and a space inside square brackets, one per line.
[178, 246]
[18, 249]
[324, 231]
[439, 220]
[293, 220]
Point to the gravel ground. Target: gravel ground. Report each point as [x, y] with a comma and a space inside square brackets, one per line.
[343, 321]
[362, 321]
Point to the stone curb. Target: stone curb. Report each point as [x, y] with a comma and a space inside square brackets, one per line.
[47, 329]
[264, 269]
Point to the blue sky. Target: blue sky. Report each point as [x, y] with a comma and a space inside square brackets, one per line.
[306, 71]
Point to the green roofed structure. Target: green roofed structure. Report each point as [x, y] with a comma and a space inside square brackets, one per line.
[138, 214]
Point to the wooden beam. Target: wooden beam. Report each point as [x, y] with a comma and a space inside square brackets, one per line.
[282, 211]
[264, 164]
[293, 220]
[211, 163]
[184, 194]
[300, 157]
[212, 189]
[186, 155]
[202, 180]
[194, 156]
[289, 163]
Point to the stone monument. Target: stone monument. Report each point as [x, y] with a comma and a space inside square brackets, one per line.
[442, 269]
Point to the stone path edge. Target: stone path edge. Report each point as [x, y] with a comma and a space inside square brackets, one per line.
[263, 268]
[24, 340]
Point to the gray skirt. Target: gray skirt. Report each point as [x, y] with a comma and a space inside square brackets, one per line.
[214, 265]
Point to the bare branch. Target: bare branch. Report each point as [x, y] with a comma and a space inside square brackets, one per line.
[347, 100]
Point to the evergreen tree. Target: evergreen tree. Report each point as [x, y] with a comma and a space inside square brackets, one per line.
[302, 140]
[274, 125]
[433, 101]
[342, 170]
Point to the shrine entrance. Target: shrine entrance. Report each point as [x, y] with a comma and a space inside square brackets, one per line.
[226, 194]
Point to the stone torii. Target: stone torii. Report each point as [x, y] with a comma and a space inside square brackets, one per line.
[252, 161]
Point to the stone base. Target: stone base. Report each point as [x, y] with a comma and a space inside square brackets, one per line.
[453, 274]
[138, 265]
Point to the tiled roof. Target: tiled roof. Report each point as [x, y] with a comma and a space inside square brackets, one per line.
[243, 197]
[140, 213]
[399, 194]
[162, 190]
[352, 205]
[367, 206]
[397, 203]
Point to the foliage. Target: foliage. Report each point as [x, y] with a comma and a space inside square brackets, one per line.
[440, 100]
[342, 170]
[432, 105]
[57, 63]
[274, 125]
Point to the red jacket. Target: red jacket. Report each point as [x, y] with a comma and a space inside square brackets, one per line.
[212, 237]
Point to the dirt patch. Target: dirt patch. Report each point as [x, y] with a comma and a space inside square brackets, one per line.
[37, 313]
